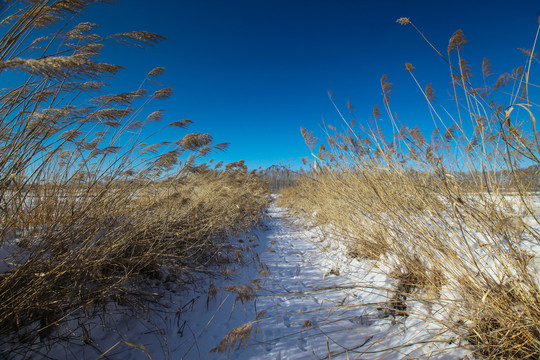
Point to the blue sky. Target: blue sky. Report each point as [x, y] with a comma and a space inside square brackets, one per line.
[252, 72]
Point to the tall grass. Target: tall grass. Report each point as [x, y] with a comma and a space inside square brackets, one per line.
[453, 216]
[90, 206]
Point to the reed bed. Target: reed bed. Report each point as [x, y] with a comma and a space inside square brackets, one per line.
[451, 216]
[90, 205]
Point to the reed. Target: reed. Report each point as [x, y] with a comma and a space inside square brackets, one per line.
[451, 215]
[91, 207]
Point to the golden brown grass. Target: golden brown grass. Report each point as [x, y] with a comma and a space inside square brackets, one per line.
[450, 214]
[90, 207]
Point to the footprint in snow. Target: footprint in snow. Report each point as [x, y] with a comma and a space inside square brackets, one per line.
[362, 320]
[301, 343]
[287, 321]
[269, 346]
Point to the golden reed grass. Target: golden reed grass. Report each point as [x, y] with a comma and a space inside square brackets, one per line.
[90, 206]
[451, 214]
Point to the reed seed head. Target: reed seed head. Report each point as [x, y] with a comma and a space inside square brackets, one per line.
[403, 21]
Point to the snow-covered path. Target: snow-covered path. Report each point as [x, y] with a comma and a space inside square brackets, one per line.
[301, 297]
[311, 301]
[303, 290]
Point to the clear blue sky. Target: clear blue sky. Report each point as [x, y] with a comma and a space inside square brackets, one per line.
[251, 72]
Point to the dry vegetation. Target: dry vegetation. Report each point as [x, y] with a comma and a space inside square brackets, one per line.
[90, 207]
[450, 215]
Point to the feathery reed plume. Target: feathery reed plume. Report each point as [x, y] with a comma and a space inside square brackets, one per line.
[239, 335]
[457, 41]
[376, 112]
[162, 93]
[403, 21]
[181, 123]
[386, 87]
[487, 70]
[195, 141]
[430, 93]
[409, 67]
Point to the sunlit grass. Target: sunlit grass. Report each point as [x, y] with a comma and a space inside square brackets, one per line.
[90, 206]
[450, 216]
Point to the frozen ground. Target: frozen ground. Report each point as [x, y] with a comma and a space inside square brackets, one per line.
[301, 299]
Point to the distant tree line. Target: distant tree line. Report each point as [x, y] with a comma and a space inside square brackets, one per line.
[525, 178]
[279, 177]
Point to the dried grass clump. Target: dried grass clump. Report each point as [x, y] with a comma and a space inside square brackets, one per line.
[91, 210]
[453, 214]
[505, 323]
[370, 245]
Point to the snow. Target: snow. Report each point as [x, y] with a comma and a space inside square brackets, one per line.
[302, 299]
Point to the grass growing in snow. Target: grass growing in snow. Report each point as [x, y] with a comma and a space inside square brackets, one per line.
[451, 217]
[89, 206]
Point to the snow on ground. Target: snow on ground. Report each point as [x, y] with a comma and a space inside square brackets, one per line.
[311, 302]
